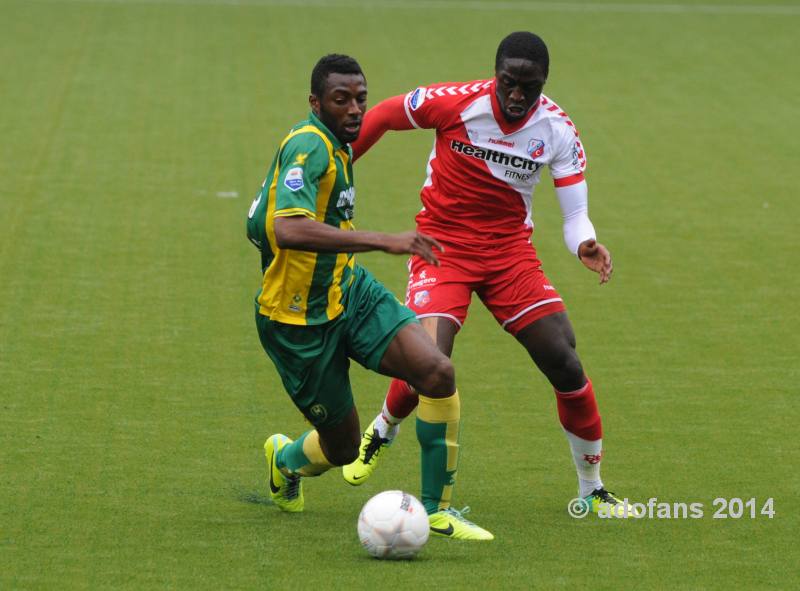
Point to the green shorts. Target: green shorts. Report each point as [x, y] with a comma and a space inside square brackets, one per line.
[314, 361]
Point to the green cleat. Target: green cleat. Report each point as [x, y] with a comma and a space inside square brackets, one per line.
[286, 491]
[372, 445]
[607, 504]
[449, 523]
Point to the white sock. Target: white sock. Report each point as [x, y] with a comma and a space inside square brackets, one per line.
[586, 455]
[387, 426]
[587, 486]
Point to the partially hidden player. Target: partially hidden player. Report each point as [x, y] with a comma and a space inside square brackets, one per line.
[493, 138]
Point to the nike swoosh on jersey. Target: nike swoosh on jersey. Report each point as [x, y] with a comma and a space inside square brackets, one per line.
[448, 531]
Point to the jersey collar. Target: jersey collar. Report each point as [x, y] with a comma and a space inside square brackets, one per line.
[319, 124]
[504, 125]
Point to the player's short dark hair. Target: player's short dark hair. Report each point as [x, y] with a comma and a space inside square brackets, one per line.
[525, 45]
[333, 63]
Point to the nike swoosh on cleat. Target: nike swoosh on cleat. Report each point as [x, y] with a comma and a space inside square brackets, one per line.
[448, 531]
[358, 477]
[272, 487]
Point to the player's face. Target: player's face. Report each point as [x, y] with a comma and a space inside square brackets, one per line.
[519, 84]
[342, 105]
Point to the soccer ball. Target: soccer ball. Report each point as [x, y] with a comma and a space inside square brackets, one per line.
[393, 524]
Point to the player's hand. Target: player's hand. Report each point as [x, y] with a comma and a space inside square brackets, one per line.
[597, 258]
[415, 243]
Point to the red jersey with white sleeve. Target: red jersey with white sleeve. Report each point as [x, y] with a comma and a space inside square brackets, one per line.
[483, 170]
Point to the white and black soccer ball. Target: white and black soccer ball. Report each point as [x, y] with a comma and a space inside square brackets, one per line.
[393, 524]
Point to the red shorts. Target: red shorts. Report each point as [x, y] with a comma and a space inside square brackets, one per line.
[510, 283]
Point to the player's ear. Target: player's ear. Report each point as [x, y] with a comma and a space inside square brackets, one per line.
[313, 102]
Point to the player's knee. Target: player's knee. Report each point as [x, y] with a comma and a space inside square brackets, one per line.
[564, 369]
[440, 379]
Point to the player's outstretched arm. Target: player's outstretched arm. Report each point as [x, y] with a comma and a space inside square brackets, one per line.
[597, 258]
[388, 115]
[302, 233]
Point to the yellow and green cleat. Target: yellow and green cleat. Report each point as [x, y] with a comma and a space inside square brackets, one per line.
[370, 450]
[449, 523]
[606, 504]
[286, 491]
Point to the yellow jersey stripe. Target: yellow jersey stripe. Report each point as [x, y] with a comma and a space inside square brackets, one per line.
[343, 260]
[345, 158]
[292, 211]
[283, 265]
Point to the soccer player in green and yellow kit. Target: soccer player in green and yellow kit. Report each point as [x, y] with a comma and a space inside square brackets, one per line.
[317, 309]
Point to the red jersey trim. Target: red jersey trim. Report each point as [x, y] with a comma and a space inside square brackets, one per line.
[568, 180]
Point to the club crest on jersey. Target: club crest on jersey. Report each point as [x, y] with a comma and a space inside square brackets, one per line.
[535, 147]
[421, 298]
[417, 98]
[294, 179]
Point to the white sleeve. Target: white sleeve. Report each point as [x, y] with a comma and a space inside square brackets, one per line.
[574, 201]
[569, 158]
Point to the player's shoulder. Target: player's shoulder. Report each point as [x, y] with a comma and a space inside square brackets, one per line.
[446, 92]
[556, 116]
[306, 138]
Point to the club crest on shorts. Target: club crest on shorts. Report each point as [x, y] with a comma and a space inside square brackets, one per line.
[535, 147]
[421, 298]
[318, 413]
[297, 299]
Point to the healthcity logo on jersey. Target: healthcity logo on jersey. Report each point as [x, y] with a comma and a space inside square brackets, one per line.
[494, 156]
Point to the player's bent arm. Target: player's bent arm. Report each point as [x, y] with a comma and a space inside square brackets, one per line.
[574, 202]
[302, 233]
[388, 115]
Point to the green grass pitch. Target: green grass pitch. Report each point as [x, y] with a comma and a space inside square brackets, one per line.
[135, 397]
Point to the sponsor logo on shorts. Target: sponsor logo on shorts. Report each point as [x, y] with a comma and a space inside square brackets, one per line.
[422, 282]
[535, 147]
[417, 98]
[548, 288]
[294, 179]
[421, 298]
[318, 413]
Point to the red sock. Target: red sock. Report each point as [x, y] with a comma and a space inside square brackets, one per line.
[578, 413]
[401, 400]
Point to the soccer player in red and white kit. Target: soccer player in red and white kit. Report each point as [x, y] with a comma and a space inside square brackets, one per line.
[493, 137]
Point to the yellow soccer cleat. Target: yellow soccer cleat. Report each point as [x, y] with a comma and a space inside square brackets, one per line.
[449, 523]
[286, 491]
[606, 504]
[370, 450]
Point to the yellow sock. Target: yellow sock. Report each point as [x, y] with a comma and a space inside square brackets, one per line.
[304, 456]
[437, 432]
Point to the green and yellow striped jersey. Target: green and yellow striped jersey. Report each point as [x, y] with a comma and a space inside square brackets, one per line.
[311, 175]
